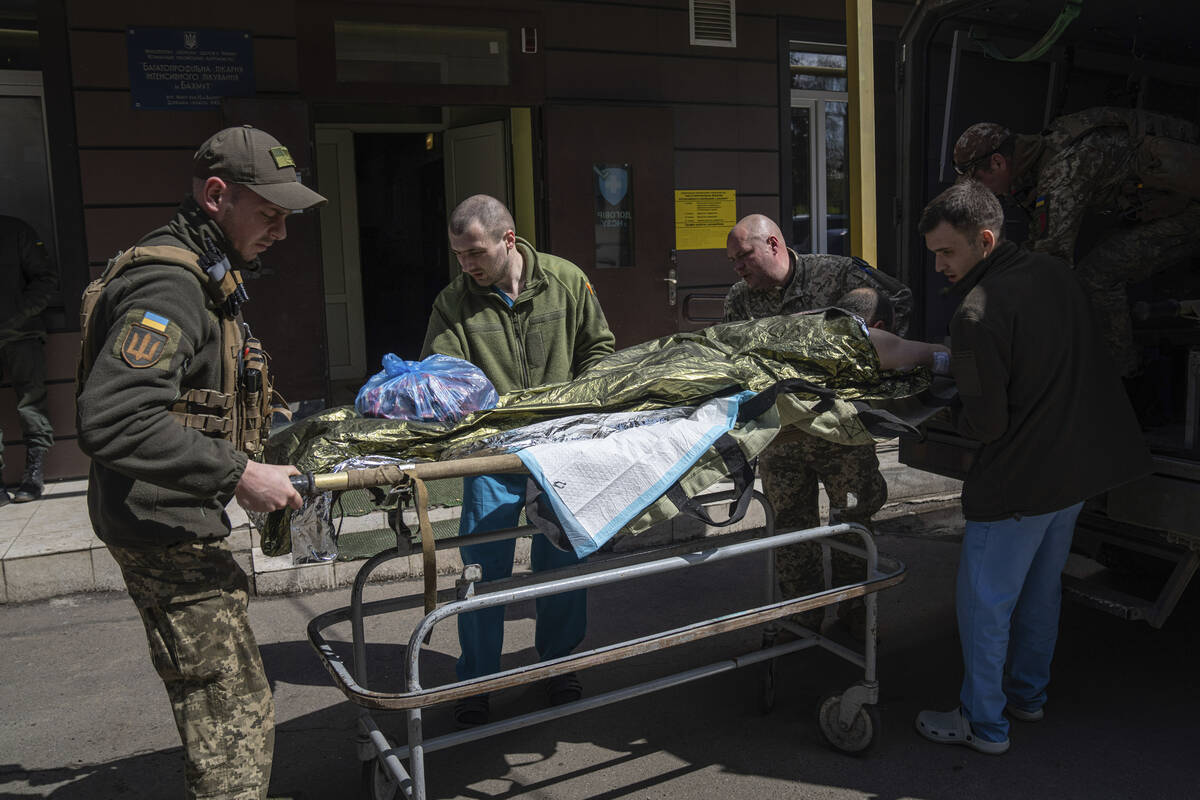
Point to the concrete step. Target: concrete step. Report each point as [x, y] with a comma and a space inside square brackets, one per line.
[47, 548]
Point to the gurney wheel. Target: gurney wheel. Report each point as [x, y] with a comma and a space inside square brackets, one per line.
[377, 782]
[856, 739]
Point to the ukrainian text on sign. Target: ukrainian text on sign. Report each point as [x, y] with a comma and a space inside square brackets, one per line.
[187, 70]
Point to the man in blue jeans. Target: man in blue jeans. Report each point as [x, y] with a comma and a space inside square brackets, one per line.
[494, 502]
[1039, 391]
[526, 319]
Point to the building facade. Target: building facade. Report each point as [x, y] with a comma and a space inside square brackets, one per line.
[601, 123]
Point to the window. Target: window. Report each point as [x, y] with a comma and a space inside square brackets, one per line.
[380, 52]
[820, 141]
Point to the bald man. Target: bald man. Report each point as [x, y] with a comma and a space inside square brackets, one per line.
[774, 280]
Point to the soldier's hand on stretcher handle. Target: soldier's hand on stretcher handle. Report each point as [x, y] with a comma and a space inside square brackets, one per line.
[267, 487]
[897, 353]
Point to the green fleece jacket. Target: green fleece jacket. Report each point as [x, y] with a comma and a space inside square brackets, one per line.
[154, 482]
[553, 331]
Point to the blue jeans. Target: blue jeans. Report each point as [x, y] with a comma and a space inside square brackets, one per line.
[1008, 598]
[493, 502]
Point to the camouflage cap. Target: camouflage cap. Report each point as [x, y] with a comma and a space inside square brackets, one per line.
[256, 160]
[977, 142]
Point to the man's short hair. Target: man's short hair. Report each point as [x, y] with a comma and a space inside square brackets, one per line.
[969, 207]
[870, 304]
[489, 212]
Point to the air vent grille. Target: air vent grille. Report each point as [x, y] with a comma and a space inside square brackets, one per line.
[713, 22]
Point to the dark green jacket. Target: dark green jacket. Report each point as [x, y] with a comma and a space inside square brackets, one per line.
[154, 482]
[27, 278]
[1038, 390]
[554, 331]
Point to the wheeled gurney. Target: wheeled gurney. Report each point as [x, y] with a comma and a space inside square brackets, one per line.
[848, 721]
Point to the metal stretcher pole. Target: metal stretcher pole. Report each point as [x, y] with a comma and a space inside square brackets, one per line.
[416, 700]
[312, 483]
[593, 580]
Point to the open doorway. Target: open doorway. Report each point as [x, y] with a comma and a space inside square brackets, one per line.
[384, 244]
[402, 239]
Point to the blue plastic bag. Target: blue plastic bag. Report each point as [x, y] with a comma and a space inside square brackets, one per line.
[441, 388]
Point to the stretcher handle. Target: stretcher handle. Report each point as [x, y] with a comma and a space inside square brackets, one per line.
[309, 484]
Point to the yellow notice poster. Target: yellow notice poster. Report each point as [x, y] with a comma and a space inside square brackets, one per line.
[703, 218]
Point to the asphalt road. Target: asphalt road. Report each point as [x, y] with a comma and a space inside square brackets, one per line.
[86, 718]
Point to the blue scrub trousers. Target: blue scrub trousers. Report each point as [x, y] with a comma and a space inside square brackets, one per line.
[1008, 598]
[493, 502]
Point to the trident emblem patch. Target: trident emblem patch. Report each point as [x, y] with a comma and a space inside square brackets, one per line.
[143, 347]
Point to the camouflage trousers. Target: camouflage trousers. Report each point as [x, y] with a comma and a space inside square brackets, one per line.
[1130, 254]
[192, 598]
[790, 472]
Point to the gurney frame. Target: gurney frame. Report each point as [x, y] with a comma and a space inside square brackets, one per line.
[848, 722]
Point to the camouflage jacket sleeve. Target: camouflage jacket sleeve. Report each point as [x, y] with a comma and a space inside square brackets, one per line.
[1082, 174]
[863, 274]
[122, 411]
[39, 279]
[735, 303]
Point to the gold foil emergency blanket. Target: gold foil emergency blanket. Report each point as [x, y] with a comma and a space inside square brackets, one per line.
[829, 349]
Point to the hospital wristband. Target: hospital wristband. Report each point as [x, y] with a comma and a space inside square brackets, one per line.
[941, 362]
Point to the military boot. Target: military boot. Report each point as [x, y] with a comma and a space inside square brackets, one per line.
[31, 482]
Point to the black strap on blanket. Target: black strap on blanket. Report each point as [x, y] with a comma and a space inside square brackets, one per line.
[884, 424]
[757, 406]
[878, 422]
[541, 515]
[741, 470]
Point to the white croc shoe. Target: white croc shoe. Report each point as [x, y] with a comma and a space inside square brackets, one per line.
[950, 727]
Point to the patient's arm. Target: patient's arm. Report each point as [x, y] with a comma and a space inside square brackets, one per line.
[897, 353]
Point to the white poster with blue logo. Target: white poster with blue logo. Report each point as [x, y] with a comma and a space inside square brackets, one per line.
[182, 69]
[614, 215]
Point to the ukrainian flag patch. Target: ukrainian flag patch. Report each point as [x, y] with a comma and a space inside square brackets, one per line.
[155, 322]
[282, 157]
[1041, 213]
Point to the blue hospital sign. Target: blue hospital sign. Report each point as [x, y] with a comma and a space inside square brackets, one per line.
[614, 214]
[188, 70]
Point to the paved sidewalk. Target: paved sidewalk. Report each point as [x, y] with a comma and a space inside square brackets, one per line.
[47, 548]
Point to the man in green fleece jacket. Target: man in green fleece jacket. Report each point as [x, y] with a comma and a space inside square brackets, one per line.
[160, 482]
[526, 319]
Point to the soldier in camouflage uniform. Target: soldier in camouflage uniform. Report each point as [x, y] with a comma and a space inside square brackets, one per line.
[1100, 160]
[777, 280]
[160, 479]
[27, 278]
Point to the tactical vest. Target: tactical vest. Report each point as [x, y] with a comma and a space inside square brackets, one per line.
[240, 410]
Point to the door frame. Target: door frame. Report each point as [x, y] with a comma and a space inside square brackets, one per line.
[28, 83]
[814, 100]
[522, 141]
